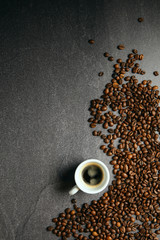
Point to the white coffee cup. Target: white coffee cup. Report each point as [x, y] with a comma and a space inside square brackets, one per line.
[82, 185]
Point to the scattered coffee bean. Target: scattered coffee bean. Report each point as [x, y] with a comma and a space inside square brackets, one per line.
[95, 133]
[92, 125]
[54, 220]
[119, 60]
[111, 58]
[156, 73]
[106, 54]
[154, 87]
[140, 19]
[91, 41]
[135, 51]
[141, 56]
[102, 147]
[100, 74]
[121, 47]
[50, 228]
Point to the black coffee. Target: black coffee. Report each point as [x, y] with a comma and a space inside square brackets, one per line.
[92, 174]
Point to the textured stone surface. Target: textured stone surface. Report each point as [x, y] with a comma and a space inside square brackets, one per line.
[48, 76]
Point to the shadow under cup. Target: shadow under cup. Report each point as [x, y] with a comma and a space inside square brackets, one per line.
[85, 186]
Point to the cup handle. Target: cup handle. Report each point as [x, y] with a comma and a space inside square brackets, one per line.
[74, 190]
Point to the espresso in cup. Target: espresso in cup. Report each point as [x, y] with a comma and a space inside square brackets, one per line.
[91, 176]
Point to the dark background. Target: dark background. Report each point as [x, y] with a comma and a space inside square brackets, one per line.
[48, 75]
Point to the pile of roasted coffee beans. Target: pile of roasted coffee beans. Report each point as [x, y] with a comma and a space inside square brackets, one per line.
[129, 111]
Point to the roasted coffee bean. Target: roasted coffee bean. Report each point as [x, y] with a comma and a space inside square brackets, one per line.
[102, 147]
[100, 74]
[103, 136]
[108, 238]
[119, 60]
[141, 56]
[92, 125]
[111, 58]
[67, 210]
[144, 82]
[121, 47]
[131, 55]
[75, 235]
[95, 133]
[54, 220]
[91, 41]
[135, 51]
[116, 66]
[99, 133]
[115, 85]
[154, 87]
[105, 125]
[50, 228]
[104, 108]
[140, 19]
[106, 54]
[156, 73]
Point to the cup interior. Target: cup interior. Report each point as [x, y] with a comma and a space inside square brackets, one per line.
[86, 187]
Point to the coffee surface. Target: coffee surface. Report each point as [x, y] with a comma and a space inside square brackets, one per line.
[92, 175]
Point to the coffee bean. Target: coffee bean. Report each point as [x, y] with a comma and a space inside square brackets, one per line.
[123, 229]
[111, 58]
[134, 69]
[118, 181]
[117, 66]
[104, 108]
[108, 238]
[93, 212]
[155, 88]
[140, 19]
[131, 55]
[54, 220]
[72, 212]
[102, 147]
[67, 210]
[91, 41]
[135, 51]
[132, 219]
[105, 125]
[156, 73]
[121, 47]
[95, 133]
[144, 82]
[85, 238]
[141, 56]
[95, 234]
[50, 228]
[75, 235]
[115, 85]
[129, 156]
[100, 74]
[124, 175]
[119, 60]
[92, 125]
[106, 54]
[99, 133]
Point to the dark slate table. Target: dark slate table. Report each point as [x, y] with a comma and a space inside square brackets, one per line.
[48, 77]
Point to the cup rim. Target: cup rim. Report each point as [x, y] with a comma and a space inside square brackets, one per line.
[94, 161]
